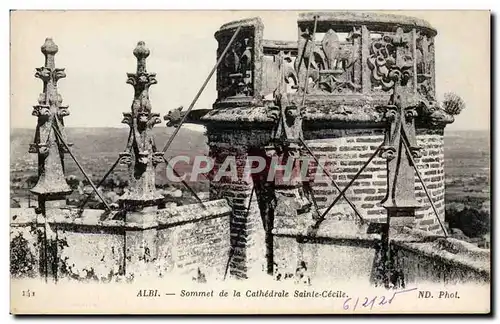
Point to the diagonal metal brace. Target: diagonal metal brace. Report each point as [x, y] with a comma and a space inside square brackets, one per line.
[171, 139]
[184, 183]
[101, 182]
[408, 151]
[351, 182]
[56, 131]
[342, 192]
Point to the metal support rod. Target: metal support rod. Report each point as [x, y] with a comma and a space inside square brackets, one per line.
[351, 182]
[406, 145]
[170, 140]
[342, 192]
[56, 131]
[45, 248]
[231, 252]
[184, 183]
[311, 55]
[105, 176]
[310, 191]
[101, 182]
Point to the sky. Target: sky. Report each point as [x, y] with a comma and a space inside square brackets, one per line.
[95, 48]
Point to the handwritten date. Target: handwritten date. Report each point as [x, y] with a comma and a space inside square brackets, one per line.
[370, 302]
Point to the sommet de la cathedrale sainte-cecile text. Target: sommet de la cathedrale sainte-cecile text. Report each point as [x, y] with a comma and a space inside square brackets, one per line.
[269, 293]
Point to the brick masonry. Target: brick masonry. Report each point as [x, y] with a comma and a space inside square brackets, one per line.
[346, 150]
[247, 236]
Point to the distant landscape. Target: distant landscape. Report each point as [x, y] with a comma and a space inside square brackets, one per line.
[467, 176]
[97, 149]
[467, 167]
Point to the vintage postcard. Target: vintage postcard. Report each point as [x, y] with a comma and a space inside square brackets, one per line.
[250, 162]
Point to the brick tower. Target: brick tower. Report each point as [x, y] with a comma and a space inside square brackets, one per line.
[358, 91]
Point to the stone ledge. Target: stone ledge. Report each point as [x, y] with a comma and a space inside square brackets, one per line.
[376, 19]
[22, 216]
[332, 232]
[248, 22]
[449, 250]
[320, 111]
[92, 218]
[194, 212]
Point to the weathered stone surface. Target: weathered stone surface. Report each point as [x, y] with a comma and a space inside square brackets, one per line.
[50, 112]
[366, 68]
[377, 20]
[347, 150]
[102, 258]
[329, 259]
[141, 155]
[369, 75]
[24, 251]
[423, 257]
[184, 239]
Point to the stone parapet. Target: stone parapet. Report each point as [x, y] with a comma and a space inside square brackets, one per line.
[417, 256]
[86, 246]
[422, 256]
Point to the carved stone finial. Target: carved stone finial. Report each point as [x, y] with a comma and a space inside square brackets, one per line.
[141, 155]
[49, 47]
[141, 52]
[50, 112]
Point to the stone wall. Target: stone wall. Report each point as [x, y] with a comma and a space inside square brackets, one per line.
[187, 240]
[422, 257]
[347, 150]
[340, 253]
[192, 240]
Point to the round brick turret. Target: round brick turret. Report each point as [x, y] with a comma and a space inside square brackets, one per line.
[348, 65]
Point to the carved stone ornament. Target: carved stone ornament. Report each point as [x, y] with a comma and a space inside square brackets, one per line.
[389, 61]
[174, 117]
[392, 67]
[141, 155]
[237, 68]
[335, 66]
[50, 113]
[285, 112]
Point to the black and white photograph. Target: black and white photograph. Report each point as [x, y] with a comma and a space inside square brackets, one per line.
[250, 162]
